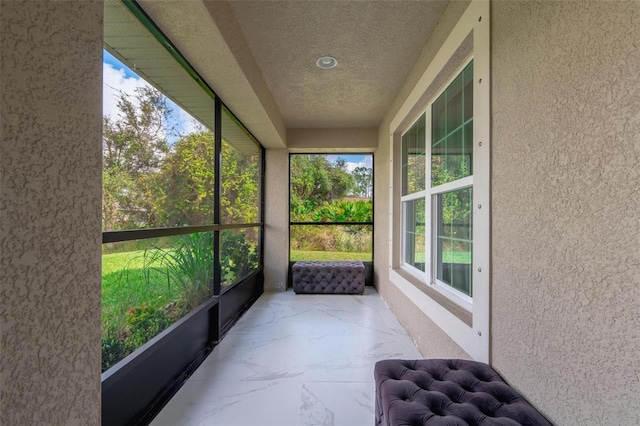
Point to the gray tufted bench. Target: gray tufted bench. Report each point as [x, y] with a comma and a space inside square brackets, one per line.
[447, 392]
[328, 277]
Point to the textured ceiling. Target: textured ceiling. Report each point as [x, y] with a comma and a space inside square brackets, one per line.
[259, 57]
[375, 42]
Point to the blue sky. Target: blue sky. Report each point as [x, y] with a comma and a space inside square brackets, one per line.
[118, 77]
[111, 60]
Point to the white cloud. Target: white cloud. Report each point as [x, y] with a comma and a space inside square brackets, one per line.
[366, 162]
[352, 165]
[113, 81]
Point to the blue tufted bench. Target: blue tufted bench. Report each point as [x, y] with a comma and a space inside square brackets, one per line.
[447, 392]
[328, 277]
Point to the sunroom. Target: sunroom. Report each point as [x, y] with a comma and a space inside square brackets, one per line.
[502, 138]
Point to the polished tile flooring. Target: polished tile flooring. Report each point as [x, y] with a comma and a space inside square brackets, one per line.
[294, 360]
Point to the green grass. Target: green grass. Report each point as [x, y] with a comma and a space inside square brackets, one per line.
[450, 257]
[456, 257]
[329, 255]
[124, 286]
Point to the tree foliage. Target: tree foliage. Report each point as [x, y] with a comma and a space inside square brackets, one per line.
[363, 177]
[240, 185]
[133, 147]
[315, 179]
[135, 141]
[184, 188]
[149, 183]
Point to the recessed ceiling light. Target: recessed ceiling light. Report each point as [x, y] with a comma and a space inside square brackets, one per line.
[326, 62]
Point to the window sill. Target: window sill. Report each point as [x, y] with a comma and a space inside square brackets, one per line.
[458, 311]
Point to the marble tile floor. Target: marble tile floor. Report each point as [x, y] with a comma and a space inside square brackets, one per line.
[294, 360]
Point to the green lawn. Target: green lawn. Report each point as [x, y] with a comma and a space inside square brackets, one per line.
[329, 255]
[124, 285]
[450, 257]
[456, 257]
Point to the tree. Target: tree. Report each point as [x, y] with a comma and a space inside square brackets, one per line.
[133, 145]
[148, 183]
[136, 141]
[342, 181]
[314, 180]
[240, 185]
[183, 191]
[363, 181]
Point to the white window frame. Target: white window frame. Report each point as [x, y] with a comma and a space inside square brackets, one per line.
[474, 338]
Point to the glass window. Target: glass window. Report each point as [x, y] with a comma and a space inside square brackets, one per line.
[413, 158]
[454, 239]
[452, 131]
[414, 247]
[451, 162]
[413, 202]
[449, 223]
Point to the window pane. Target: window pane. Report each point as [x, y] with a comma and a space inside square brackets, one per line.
[239, 254]
[240, 174]
[331, 188]
[454, 104]
[413, 158]
[331, 242]
[454, 239]
[158, 160]
[147, 285]
[468, 92]
[414, 238]
[438, 117]
[452, 131]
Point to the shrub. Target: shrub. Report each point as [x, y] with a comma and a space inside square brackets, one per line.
[144, 323]
[189, 266]
[141, 324]
[238, 258]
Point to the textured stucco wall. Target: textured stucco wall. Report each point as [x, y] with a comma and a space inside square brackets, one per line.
[430, 339]
[50, 186]
[566, 207]
[276, 240]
